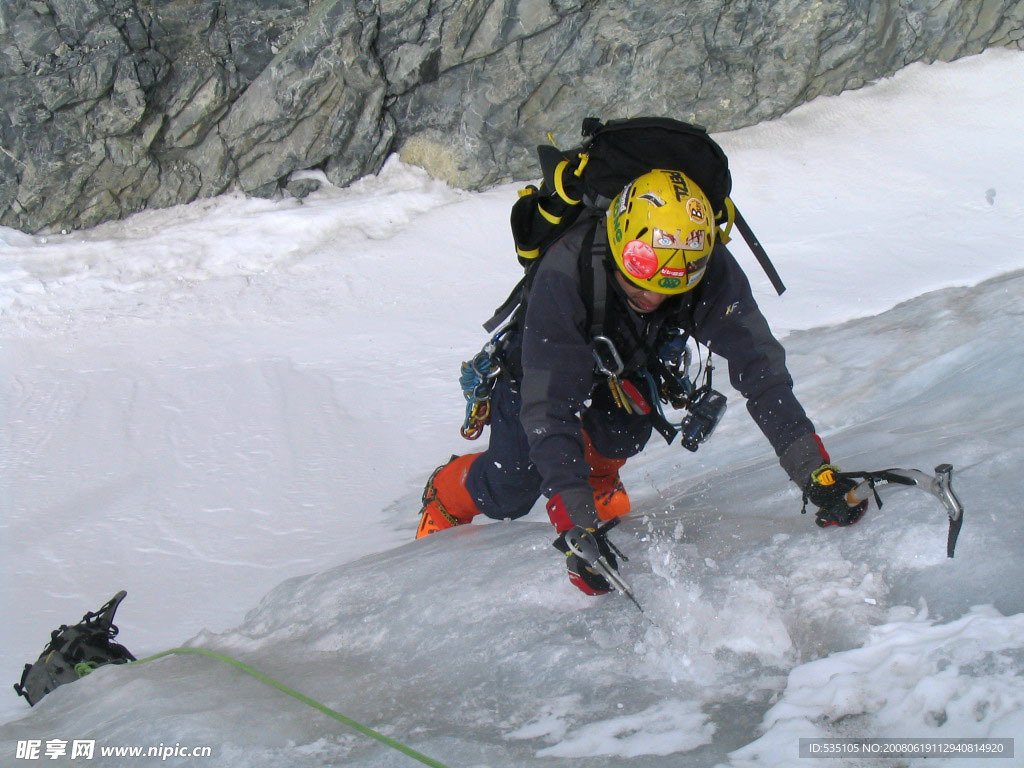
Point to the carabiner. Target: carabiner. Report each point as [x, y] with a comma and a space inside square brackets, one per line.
[602, 366]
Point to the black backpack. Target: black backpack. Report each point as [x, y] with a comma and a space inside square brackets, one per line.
[75, 651]
[584, 181]
[612, 155]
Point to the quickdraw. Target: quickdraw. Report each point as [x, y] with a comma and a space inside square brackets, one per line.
[611, 365]
[477, 379]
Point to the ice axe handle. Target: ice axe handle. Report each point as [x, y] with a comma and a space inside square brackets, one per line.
[940, 486]
[945, 492]
[944, 485]
[582, 544]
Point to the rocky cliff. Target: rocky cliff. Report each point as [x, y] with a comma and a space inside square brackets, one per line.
[111, 106]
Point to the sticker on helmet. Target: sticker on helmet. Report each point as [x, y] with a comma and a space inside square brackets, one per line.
[669, 282]
[697, 265]
[639, 260]
[663, 239]
[695, 208]
[670, 272]
[616, 223]
[653, 199]
[678, 181]
[695, 276]
[624, 200]
[695, 241]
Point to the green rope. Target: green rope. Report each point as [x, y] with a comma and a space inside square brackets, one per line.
[304, 699]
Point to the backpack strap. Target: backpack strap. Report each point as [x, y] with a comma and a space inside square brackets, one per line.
[515, 299]
[757, 249]
[594, 279]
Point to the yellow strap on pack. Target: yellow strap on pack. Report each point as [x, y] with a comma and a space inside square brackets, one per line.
[584, 159]
[550, 218]
[730, 219]
[559, 187]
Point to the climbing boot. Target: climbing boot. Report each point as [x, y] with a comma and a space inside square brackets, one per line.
[610, 497]
[446, 502]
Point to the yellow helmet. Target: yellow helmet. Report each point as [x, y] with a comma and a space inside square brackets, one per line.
[661, 230]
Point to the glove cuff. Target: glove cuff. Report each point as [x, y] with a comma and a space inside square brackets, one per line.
[802, 457]
[572, 507]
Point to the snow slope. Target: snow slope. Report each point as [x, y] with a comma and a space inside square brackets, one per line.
[205, 402]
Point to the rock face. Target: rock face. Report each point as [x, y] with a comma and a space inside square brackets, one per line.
[111, 106]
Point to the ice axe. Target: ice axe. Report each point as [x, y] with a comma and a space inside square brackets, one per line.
[582, 544]
[940, 486]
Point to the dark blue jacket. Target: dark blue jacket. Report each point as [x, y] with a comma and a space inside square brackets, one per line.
[557, 363]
